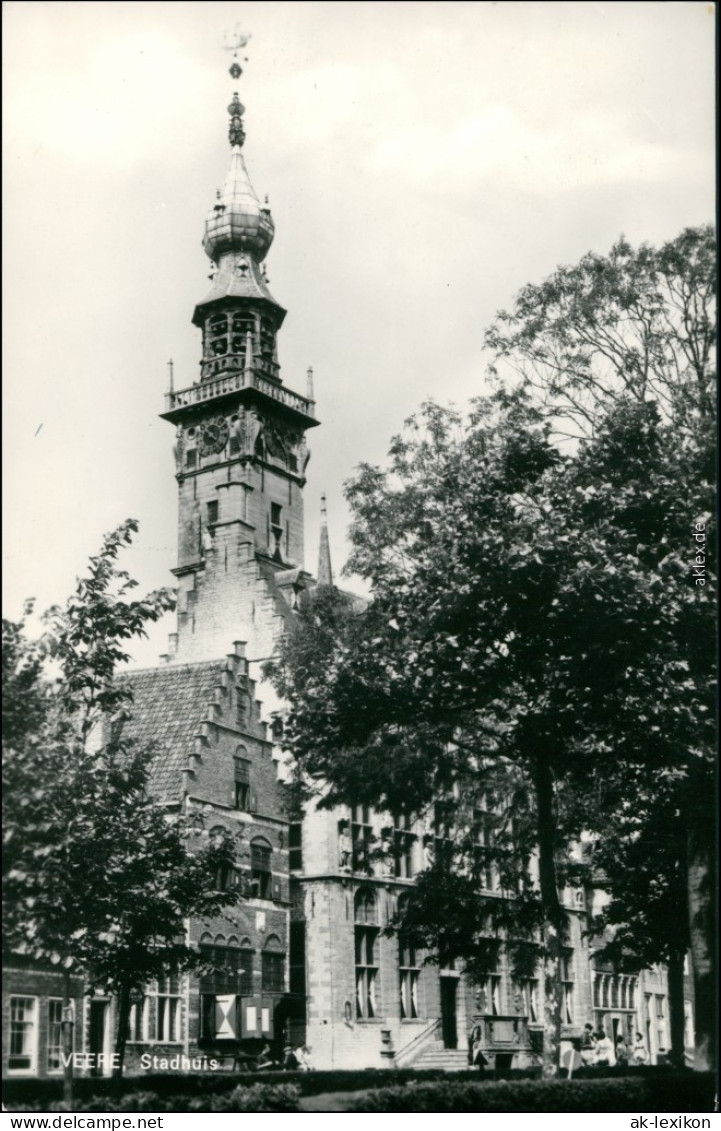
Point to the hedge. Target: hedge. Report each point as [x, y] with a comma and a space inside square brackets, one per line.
[40, 1093]
[676, 1092]
[257, 1097]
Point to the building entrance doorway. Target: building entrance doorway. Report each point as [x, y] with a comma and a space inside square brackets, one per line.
[449, 1019]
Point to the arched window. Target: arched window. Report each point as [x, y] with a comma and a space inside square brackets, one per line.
[408, 971]
[273, 966]
[366, 952]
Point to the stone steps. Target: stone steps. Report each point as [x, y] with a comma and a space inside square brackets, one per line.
[448, 1060]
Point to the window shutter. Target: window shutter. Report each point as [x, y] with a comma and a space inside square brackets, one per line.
[225, 1017]
[276, 889]
[254, 802]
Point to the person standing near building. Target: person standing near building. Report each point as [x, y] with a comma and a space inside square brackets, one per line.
[640, 1056]
[588, 1045]
[604, 1050]
[621, 1052]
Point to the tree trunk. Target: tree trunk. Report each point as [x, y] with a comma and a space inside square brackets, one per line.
[67, 1042]
[121, 1036]
[701, 889]
[554, 917]
[676, 1008]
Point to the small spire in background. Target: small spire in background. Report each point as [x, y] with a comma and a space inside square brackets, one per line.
[310, 394]
[325, 570]
[170, 375]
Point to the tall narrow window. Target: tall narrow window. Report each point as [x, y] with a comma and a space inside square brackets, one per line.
[296, 962]
[493, 994]
[276, 528]
[567, 980]
[362, 835]
[138, 1021]
[533, 1013]
[273, 967]
[260, 869]
[483, 824]
[242, 784]
[212, 512]
[295, 847]
[443, 833]
[403, 843]
[597, 988]
[23, 1034]
[55, 1034]
[366, 957]
[409, 976]
[167, 1009]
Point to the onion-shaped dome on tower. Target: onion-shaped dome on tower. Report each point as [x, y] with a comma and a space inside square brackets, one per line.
[238, 221]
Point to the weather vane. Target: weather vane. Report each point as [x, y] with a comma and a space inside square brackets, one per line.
[235, 42]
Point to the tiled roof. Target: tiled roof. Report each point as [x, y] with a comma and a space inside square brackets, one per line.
[169, 706]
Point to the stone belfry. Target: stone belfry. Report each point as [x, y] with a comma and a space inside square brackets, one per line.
[240, 449]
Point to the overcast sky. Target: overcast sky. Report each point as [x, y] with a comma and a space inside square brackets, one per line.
[423, 161]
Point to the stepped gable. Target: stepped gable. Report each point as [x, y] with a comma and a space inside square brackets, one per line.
[174, 708]
[170, 705]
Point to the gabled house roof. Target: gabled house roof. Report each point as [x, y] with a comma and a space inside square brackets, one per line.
[170, 705]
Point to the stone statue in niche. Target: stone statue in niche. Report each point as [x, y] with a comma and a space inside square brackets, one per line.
[303, 455]
[253, 431]
[178, 447]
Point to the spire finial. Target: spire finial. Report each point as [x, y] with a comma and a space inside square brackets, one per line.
[310, 394]
[325, 570]
[170, 375]
[235, 41]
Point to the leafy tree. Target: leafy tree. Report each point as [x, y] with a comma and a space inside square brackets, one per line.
[638, 328]
[530, 609]
[98, 878]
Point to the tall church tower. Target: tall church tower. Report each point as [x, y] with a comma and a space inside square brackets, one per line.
[240, 449]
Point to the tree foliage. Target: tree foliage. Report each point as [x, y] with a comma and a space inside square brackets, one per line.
[99, 878]
[534, 602]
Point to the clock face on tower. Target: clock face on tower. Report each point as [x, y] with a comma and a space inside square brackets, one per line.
[214, 436]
